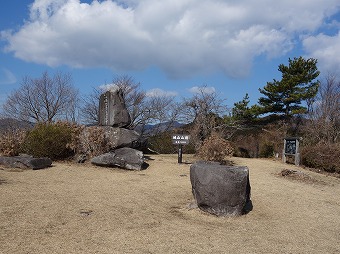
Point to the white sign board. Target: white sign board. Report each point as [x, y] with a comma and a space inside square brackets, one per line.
[180, 139]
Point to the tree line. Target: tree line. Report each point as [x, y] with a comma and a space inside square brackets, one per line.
[298, 97]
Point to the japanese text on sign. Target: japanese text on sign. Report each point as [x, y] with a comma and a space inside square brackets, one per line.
[180, 139]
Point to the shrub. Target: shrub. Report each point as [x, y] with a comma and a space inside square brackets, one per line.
[267, 150]
[11, 142]
[162, 143]
[242, 152]
[260, 141]
[322, 156]
[215, 148]
[53, 140]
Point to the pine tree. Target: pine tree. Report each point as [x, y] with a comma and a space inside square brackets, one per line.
[241, 111]
[298, 84]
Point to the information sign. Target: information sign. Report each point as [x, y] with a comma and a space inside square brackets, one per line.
[180, 139]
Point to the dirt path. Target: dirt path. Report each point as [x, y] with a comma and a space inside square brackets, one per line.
[85, 209]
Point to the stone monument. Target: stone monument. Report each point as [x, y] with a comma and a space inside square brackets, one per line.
[120, 141]
[112, 109]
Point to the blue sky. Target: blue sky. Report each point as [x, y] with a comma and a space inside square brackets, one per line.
[232, 47]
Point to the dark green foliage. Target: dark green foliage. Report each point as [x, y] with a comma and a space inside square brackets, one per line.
[267, 150]
[49, 140]
[297, 85]
[241, 112]
[322, 156]
[162, 143]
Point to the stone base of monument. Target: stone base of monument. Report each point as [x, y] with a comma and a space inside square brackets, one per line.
[113, 137]
[25, 162]
[126, 158]
[219, 189]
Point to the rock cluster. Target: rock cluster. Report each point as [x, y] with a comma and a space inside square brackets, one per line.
[219, 189]
[113, 118]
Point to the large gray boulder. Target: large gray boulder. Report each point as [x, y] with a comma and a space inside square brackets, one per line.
[120, 137]
[106, 138]
[126, 158]
[25, 162]
[219, 189]
[112, 109]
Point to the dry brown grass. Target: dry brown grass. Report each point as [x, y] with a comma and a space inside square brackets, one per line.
[86, 209]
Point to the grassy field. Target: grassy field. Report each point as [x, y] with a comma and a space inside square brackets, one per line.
[80, 208]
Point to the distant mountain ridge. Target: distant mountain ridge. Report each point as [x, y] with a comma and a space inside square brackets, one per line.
[152, 129]
[10, 123]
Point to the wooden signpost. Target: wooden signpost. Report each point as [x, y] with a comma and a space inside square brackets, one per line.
[180, 140]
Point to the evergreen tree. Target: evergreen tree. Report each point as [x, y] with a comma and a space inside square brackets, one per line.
[241, 112]
[298, 84]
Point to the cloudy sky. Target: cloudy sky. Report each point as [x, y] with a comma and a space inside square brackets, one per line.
[169, 46]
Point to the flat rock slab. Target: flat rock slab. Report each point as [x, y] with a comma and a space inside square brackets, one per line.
[25, 162]
[219, 189]
[126, 158]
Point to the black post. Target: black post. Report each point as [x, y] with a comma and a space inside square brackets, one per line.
[180, 153]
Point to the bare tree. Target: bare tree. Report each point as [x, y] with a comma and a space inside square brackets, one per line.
[203, 111]
[132, 94]
[90, 107]
[162, 112]
[43, 99]
[134, 99]
[324, 116]
[143, 109]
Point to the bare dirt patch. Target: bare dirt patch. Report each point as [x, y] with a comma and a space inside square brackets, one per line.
[72, 208]
[298, 175]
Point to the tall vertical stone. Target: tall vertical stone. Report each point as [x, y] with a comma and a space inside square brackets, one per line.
[112, 109]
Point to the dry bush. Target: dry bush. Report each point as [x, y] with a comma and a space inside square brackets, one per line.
[322, 156]
[263, 141]
[246, 145]
[215, 148]
[93, 142]
[11, 142]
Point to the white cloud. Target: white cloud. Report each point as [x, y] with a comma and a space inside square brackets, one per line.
[202, 89]
[157, 92]
[7, 77]
[326, 49]
[182, 37]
